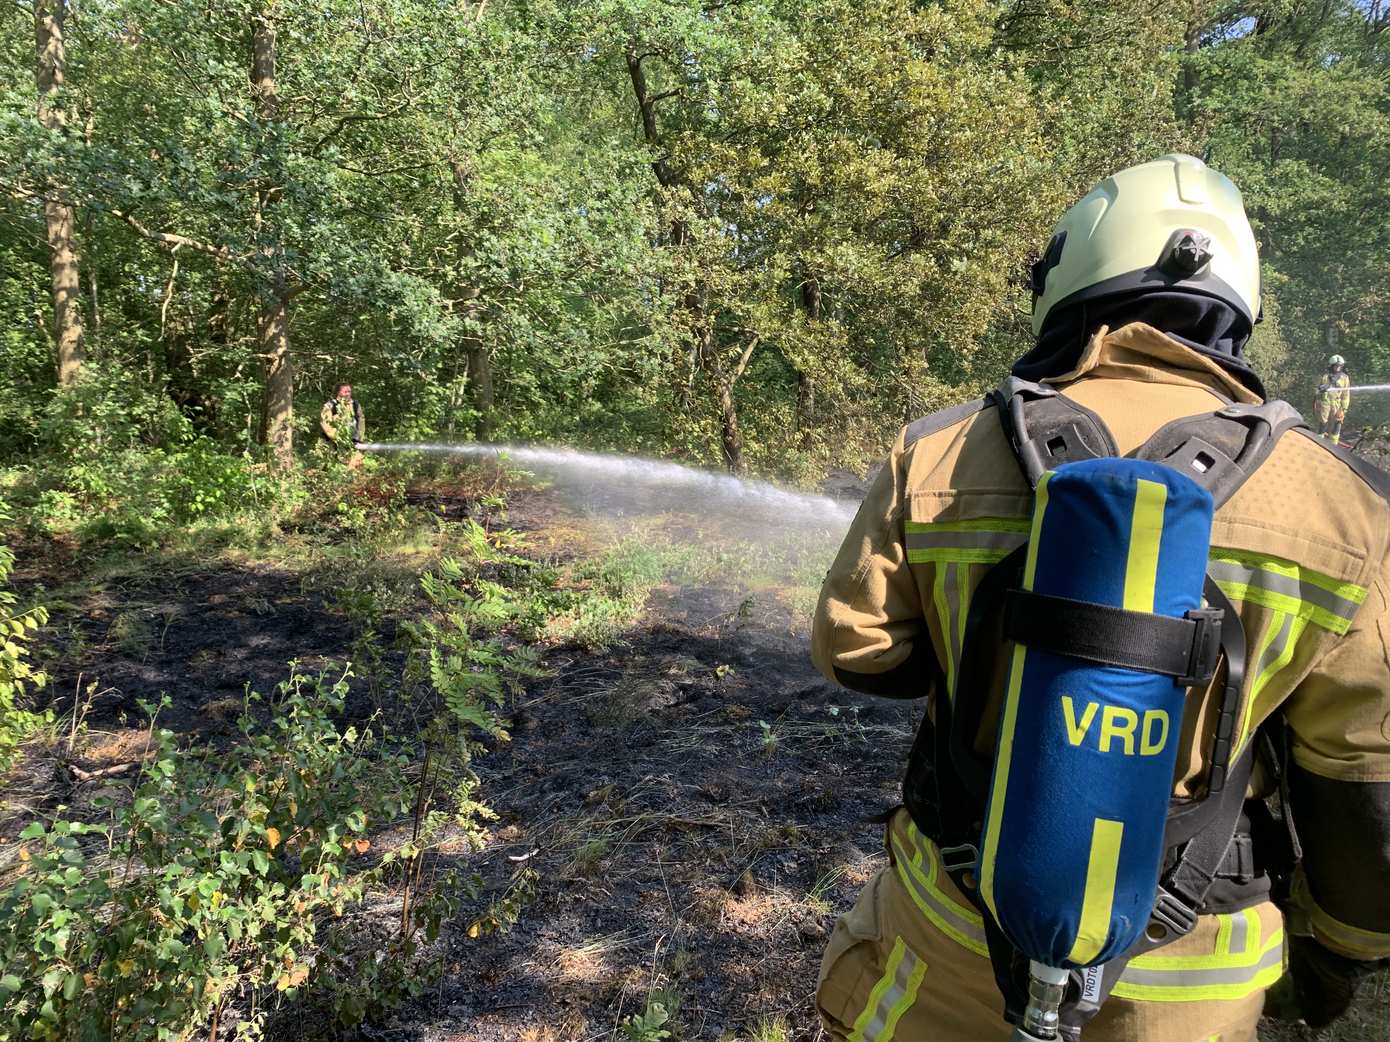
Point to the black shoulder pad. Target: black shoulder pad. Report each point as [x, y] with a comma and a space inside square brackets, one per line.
[939, 421]
[1045, 428]
[1221, 450]
[1365, 470]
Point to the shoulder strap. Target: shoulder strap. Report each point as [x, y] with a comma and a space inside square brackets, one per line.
[939, 421]
[1221, 450]
[1045, 428]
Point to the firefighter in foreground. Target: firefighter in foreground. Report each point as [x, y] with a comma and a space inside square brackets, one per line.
[1143, 304]
[1334, 399]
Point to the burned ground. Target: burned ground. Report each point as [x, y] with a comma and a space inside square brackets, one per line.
[679, 817]
[695, 802]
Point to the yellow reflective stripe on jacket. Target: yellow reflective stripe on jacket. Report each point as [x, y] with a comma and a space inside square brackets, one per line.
[947, 611]
[1274, 651]
[1284, 586]
[986, 540]
[1243, 963]
[891, 997]
[1271, 582]
[918, 865]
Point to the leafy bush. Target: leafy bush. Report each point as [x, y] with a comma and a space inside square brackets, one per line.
[209, 890]
[468, 672]
[17, 676]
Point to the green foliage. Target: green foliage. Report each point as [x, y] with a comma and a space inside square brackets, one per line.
[738, 233]
[1294, 104]
[17, 676]
[649, 1025]
[212, 884]
[466, 671]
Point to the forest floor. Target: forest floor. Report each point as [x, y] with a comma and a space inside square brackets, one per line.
[680, 818]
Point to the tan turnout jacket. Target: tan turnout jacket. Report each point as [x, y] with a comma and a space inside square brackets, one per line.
[1301, 550]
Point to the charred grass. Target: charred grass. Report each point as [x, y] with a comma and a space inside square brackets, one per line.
[682, 809]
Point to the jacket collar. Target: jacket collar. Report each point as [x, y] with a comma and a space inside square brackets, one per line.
[1140, 352]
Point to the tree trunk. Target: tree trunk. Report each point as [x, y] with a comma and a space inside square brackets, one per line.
[480, 380]
[63, 270]
[701, 321]
[274, 297]
[805, 389]
[279, 376]
[731, 439]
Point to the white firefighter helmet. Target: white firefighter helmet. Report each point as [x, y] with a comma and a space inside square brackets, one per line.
[1173, 223]
[1336, 360]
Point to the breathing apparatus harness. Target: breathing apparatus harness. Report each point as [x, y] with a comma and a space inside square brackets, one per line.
[947, 787]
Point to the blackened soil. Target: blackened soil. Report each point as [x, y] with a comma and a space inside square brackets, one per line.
[200, 638]
[695, 804]
[681, 816]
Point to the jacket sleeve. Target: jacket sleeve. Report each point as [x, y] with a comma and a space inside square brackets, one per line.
[869, 632]
[360, 421]
[326, 421]
[1339, 782]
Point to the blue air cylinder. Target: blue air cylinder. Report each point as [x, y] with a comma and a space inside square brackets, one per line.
[1085, 753]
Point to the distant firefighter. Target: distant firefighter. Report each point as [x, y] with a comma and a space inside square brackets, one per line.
[342, 423]
[1334, 399]
[342, 407]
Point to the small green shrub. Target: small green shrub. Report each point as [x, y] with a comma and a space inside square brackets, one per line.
[468, 672]
[209, 890]
[649, 1025]
[17, 676]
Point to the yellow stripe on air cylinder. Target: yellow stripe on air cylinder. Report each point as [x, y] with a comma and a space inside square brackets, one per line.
[1145, 535]
[1094, 928]
[1000, 783]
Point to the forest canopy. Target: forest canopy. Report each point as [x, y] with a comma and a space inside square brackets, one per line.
[744, 233]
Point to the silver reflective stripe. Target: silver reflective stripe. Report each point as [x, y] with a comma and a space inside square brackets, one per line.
[1284, 585]
[920, 874]
[1204, 978]
[1240, 933]
[974, 539]
[1275, 651]
[879, 1022]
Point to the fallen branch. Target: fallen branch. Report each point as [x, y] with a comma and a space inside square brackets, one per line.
[103, 772]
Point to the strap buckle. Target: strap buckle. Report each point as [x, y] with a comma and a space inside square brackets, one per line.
[1173, 914]
[959, 858]
[1206, 646]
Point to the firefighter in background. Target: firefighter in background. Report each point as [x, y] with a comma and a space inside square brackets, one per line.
[1139, 342]
[1334, 399]
[342, 424]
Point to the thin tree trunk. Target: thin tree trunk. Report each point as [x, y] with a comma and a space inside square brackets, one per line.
[730, 437]
[701, 321]
[279, 375]
[480, 380]
[805, 389]
[274, 298]
[63, 270]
